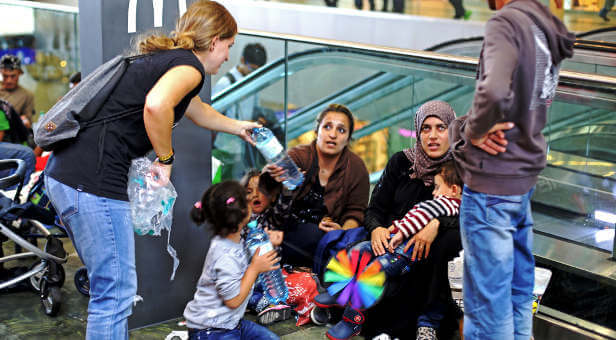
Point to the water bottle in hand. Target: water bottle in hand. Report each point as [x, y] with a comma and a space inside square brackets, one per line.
[272, 282]
[273, 152]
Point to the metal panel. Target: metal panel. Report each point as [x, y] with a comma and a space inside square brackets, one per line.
[548, 328]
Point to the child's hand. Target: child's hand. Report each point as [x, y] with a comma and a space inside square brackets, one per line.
[275, 236]
[265, 262]
[327, 224]
[395, 241]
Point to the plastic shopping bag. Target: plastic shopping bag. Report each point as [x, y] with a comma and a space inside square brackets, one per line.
[151, 203]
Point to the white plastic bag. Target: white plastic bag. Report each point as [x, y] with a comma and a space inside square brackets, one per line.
[151, 203]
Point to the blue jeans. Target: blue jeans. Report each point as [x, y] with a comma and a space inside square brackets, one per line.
[102, 233]
[17, 151]
[499, 267]
[245, 330]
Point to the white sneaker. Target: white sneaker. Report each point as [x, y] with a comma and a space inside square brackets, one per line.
[426, 333]
[382, 336]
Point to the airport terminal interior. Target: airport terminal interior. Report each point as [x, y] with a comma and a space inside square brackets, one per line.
[574, 204]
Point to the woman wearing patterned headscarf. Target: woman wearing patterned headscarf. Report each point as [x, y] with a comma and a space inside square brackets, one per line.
[407, 180]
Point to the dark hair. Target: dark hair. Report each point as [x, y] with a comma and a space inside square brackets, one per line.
[254, 54]
[450, 174]
[267, 184]
[224, 206]
[10, 62]
[75, 78]
[337, 108]
[195, 30]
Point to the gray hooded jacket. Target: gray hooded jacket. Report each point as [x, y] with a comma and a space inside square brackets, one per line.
[516, 82]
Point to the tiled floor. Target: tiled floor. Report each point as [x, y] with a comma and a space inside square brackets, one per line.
[21, 316]
[576, 20]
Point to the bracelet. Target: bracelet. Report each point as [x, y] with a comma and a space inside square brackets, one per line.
[168, 159]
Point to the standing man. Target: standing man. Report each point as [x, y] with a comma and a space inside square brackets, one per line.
[500, 151]
[21, 99]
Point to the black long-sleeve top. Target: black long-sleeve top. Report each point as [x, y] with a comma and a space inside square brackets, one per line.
[395, 193]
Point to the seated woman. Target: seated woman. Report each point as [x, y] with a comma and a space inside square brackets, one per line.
[409, 304]
[335, 191]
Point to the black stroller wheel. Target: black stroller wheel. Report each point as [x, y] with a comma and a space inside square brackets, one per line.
[82, 283]
[35, 280]
[51, 298]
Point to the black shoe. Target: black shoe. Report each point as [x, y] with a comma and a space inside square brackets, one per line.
[604, 17]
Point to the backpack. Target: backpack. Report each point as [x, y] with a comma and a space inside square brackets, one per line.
[79, 107]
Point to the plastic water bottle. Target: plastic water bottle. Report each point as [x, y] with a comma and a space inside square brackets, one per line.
[273, 283]
[273, 152]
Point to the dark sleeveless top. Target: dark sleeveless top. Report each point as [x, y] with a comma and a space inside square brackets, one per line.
[99, 158]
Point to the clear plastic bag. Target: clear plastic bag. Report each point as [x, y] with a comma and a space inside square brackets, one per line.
[151, 202]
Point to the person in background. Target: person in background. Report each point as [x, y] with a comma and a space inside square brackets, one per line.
[74, 79]
[86, 179]
[235, 156]
[499, 150]
[21, 99]
[253, 57]
[461, 13]
[607, 7]
[10, 146]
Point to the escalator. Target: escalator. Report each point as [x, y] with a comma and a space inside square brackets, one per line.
[594, 51]
[384, 87]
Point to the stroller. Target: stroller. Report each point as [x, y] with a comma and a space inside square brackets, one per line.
[24, 224]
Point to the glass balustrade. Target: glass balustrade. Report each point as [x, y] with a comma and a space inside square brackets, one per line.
[384, 88]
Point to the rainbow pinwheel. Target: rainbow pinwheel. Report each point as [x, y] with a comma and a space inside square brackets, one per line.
[354, 280]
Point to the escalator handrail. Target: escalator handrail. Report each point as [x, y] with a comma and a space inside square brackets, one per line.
[449, 43]
[580, 44]
[596, 31]
[590, 81]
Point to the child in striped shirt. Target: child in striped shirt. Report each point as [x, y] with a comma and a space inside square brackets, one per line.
[447, 193]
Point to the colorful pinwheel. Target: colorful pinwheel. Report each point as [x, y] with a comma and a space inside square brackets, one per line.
[354, 279]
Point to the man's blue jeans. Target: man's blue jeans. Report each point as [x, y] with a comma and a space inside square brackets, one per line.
[499, 267]
[17, 151]
[102, 233]
[244, 330]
